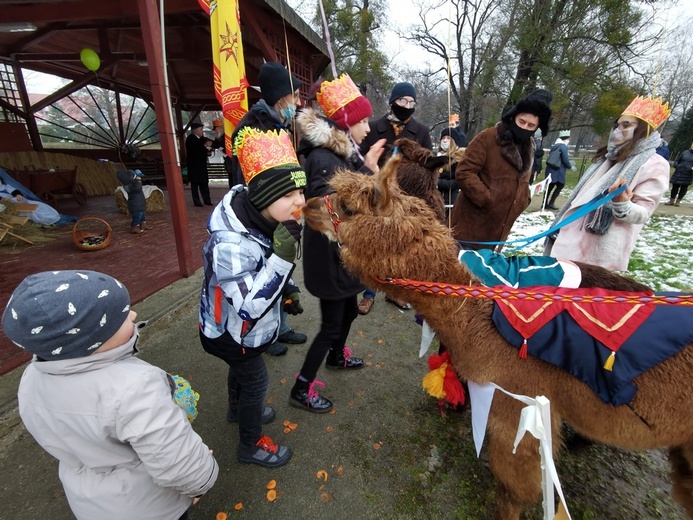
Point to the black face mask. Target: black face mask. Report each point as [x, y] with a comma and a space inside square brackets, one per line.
[402, 113]
[520, 135]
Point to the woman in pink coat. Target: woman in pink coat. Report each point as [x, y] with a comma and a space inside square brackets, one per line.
[606, 236]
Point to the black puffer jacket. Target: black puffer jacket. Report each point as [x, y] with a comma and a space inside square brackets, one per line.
[683, 173]
[326, 148]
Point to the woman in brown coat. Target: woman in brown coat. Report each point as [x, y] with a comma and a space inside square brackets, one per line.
[494, 174]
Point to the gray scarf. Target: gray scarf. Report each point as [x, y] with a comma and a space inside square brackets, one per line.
[599, 220]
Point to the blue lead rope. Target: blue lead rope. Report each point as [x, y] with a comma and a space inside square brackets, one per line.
[597, 201]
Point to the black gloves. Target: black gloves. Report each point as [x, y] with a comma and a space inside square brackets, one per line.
[292, 305]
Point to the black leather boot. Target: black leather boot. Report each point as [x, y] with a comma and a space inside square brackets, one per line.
[305, 395]
[342, 360]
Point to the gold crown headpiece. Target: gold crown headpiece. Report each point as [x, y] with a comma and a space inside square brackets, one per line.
[651, 110]
[337, 94]
[259, 151]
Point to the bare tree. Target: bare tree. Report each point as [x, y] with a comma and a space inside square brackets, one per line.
[500, 50]
[671, 73]
[467, 38]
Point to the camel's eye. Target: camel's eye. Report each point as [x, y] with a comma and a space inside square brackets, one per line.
[345, 210]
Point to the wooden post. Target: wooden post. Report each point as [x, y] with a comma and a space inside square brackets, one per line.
[151, 35]
[24, 96]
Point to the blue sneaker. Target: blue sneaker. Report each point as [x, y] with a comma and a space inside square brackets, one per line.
[265, 454]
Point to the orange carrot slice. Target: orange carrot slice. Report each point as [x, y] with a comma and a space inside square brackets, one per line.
[271, 484]
[272, 495]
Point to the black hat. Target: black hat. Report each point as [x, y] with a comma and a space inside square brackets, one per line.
[193, 126]
[400, 90]
[537, 103]
[446, 131]
[276, 82]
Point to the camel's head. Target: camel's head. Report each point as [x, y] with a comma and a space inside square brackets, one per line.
[381, 230]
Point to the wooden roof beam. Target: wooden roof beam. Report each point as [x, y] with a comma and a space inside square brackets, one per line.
[250, 21]
[83, 10]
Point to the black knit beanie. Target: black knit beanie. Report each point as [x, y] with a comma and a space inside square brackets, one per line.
[400, 90]
[276, 82]
[274, 183]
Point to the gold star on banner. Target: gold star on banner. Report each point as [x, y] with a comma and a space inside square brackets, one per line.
[229, 44]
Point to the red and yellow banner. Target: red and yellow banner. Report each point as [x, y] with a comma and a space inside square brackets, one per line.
[230, 83]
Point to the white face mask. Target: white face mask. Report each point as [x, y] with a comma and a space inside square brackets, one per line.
[617, 137]
[444, 145]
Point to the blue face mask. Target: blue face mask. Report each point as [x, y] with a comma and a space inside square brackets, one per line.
[289, 112]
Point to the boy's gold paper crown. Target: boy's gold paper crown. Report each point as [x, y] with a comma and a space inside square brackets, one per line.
[336, 94]
[653, 111]
[259, 151]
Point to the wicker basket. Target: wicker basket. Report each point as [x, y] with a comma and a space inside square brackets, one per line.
[91, 234]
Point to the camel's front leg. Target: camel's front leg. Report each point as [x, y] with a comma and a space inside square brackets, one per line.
[518, 476]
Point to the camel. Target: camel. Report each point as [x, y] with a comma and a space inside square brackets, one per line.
[417, 174]
[387, 234]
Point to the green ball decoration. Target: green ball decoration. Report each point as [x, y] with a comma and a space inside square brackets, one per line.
[90, 59]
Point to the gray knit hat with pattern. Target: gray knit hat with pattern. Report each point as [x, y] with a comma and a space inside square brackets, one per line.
[65, 314]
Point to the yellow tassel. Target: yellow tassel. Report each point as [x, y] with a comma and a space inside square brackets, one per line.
[609, 365]
[433, 382]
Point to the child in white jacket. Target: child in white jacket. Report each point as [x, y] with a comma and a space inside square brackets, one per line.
[125, 448]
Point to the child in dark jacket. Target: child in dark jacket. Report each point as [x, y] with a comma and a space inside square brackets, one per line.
[132, 184]
[329, 144]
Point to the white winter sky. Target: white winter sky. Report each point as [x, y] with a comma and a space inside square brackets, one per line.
[405, 13]
[401, 14]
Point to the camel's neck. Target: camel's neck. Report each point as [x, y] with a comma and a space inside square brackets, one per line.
[437, 267]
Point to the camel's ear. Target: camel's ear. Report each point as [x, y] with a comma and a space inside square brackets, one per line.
[411, 150]
[434, 162]
[414, 152]
[384, 180]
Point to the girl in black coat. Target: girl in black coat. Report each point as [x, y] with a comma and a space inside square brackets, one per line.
[329, 144]
[447, 184]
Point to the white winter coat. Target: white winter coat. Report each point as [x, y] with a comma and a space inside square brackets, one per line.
[126, 450]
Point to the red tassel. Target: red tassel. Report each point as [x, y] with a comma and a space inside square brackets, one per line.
[454, 391]
[523, 350]
[435, 360]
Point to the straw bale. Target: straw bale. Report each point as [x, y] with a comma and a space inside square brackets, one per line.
[120, 201]
[154, 201]
[98, 178]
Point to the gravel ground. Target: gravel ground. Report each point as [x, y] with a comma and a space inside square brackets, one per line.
[387, 450]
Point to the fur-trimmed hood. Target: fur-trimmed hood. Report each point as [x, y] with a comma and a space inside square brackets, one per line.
[521, 161]
[319, 132]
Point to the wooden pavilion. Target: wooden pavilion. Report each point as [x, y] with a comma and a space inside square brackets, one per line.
[48, 35]
[128, 36]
